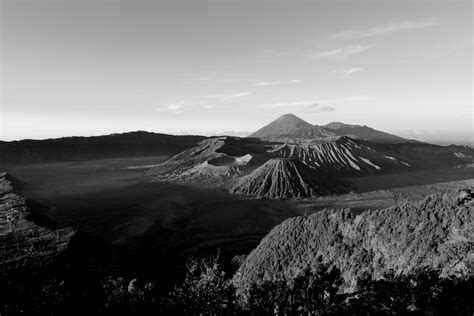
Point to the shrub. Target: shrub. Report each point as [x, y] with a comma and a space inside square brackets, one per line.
[205, 290]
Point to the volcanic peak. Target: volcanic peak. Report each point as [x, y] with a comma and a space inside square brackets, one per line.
[288, 127]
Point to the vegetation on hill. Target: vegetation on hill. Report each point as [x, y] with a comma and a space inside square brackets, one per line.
[436, 233]
[207, 290]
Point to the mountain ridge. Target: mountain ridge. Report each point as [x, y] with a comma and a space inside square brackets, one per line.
[364, 132]
[138, 143]
[289, 127]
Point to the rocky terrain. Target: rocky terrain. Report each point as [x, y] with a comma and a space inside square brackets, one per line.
[213, 160]
[435, 233]
[340, 155]
[281, 178]
[250, 166]
[26, 234]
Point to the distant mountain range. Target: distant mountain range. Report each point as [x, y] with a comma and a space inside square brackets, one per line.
[365, 133]
[289, 126]
[96, 147]
[287, 158]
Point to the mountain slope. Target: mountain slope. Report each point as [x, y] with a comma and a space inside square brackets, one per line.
[96, 147]
[363, 132]
[436, 233]
[212, 161]
[25, 234]
[340, 155]
[282, 178]
[289, 126]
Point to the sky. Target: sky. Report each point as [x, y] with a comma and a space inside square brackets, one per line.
[93, 67]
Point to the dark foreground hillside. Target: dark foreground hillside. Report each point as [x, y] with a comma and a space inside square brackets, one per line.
[415, 258]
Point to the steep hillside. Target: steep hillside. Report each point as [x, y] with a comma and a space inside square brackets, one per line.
[291, 127]
[281, 178]
[436, 233]
[25, 233]
[340, 155]
[364, 133]
[423, 155]
[213, 160]
[97, 147]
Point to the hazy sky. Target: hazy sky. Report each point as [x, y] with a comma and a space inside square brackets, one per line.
[92, 67]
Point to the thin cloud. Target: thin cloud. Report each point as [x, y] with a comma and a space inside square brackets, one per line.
[341, 52]
[284, 104]
[347, 72]
[450, 49]
[387, 29]
[319, 108]
[442, 51]
[180, 107]
[279, 53]
[320, 103]
[214, 80]
[354, 98]
[273, 83]
[177, 107]
[227, 97]
[174, 107]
